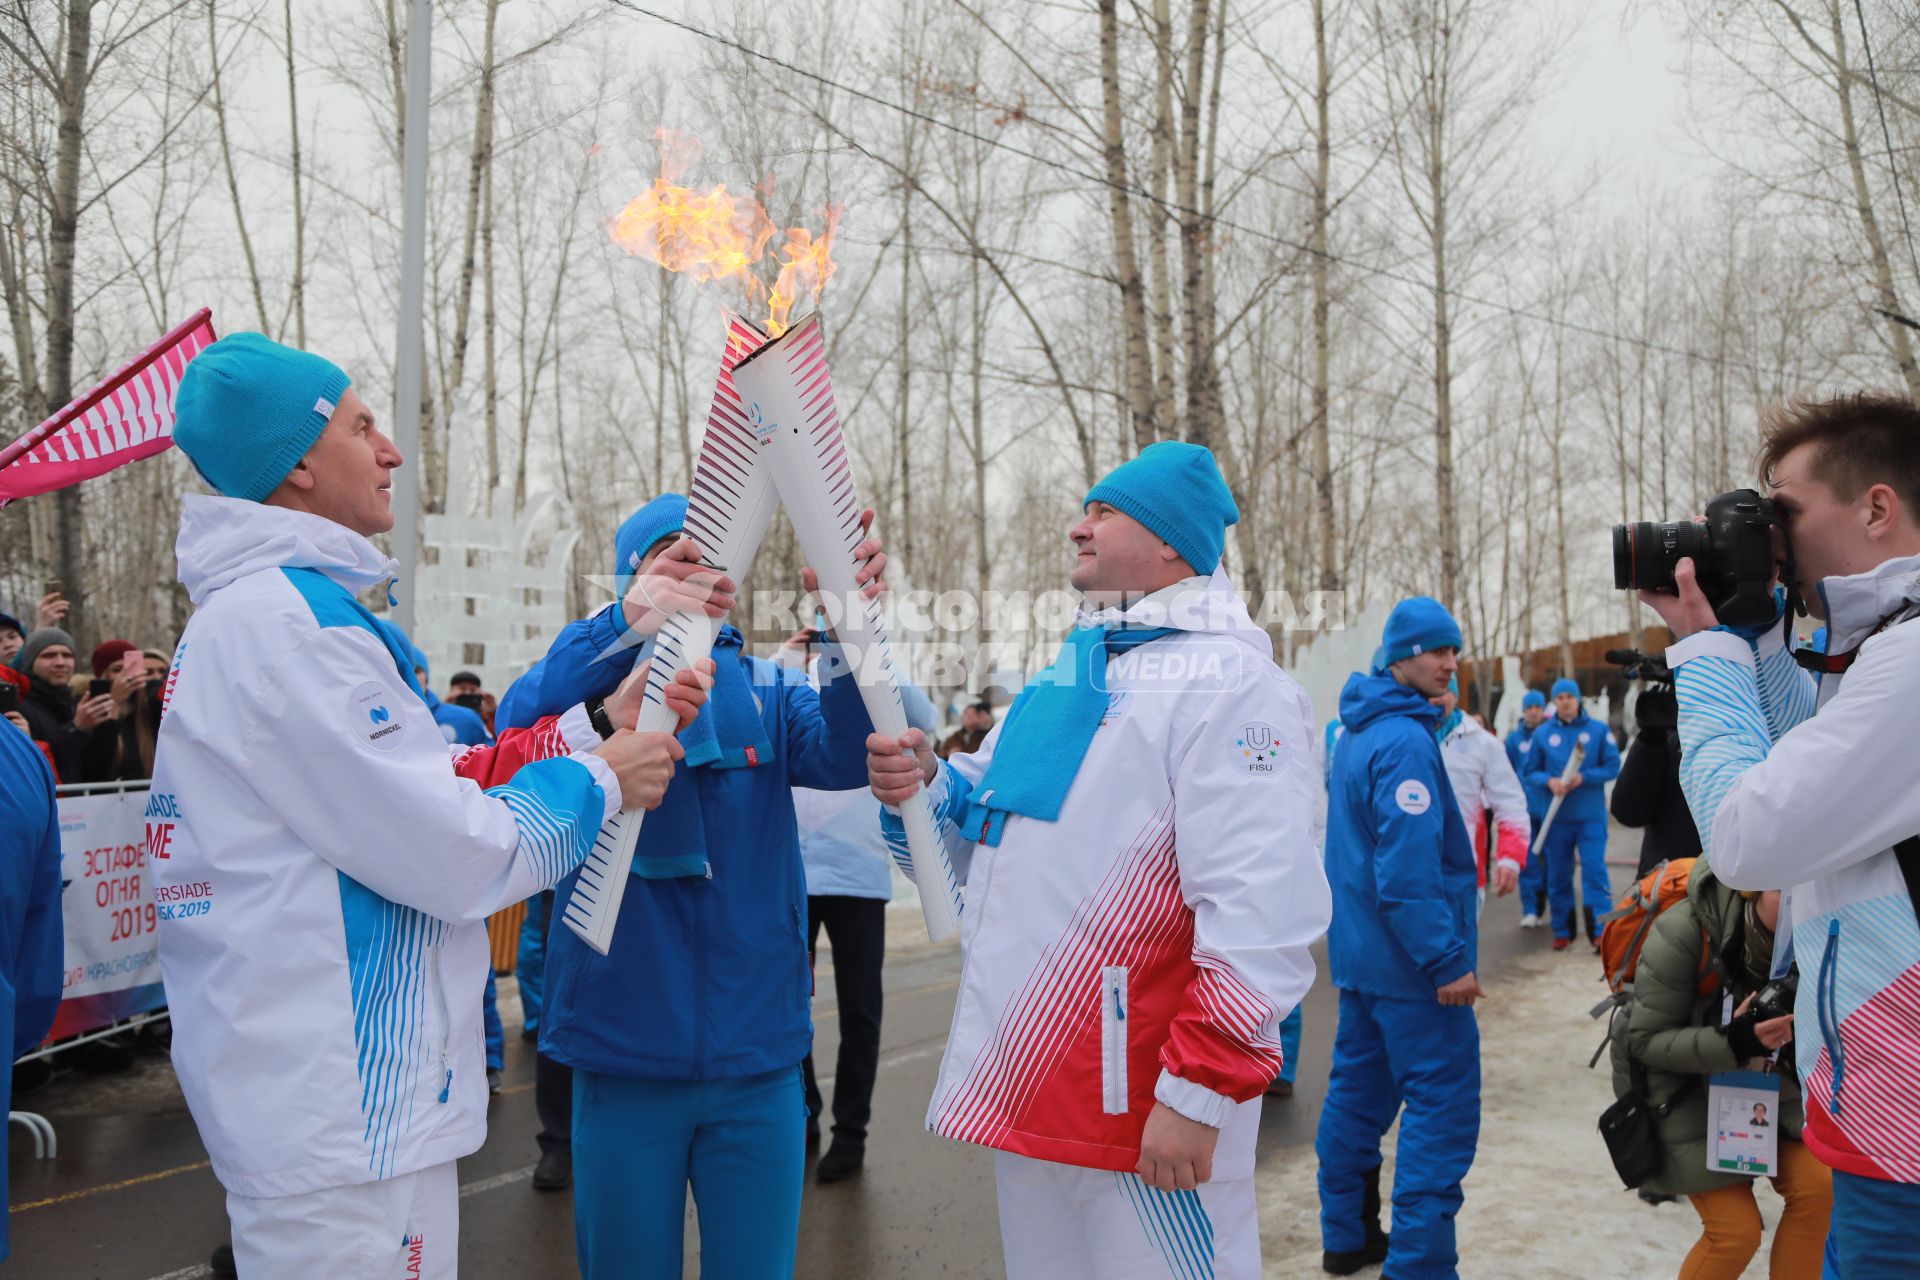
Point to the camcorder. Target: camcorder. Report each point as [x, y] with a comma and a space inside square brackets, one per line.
[1732, 553]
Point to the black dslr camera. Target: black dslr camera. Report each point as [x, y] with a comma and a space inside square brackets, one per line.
[1775, 1000]
[1733, 556]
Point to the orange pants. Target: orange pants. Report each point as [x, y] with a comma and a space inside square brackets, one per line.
[1730, 1223]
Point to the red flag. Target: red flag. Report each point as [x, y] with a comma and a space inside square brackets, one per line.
[127, 417]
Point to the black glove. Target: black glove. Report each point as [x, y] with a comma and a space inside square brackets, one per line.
[1744, 1040]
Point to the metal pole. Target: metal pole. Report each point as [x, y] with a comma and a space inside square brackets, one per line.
[413, 276]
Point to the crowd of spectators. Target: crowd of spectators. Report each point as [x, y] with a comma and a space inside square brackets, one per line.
[95, 719]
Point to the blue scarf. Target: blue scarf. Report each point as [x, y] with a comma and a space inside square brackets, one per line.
[1048, 731]
[1454, 716]
[729, 733]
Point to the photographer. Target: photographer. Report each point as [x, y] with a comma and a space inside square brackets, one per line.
[1647, 794]
[1819, 802]
[1674, 1035]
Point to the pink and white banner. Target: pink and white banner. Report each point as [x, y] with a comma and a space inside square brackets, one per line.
[127, 417]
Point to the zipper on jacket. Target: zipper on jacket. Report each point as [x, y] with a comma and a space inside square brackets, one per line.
[1826, 1007]
[1113, 1040]
[440, 1011]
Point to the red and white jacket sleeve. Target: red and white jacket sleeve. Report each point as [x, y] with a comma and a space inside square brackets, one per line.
[1508, 800]
[570, 733]
[1243, 838]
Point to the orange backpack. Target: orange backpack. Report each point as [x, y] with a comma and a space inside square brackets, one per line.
[1626, 930]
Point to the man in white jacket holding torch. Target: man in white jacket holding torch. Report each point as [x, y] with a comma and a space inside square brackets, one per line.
[1141, 892]
[322, 866]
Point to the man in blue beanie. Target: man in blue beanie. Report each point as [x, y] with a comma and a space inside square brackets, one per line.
[323, 862]
[1581, 824]
[684, 1043]
[1533, 876]
[1403, 949]
[1144, 816]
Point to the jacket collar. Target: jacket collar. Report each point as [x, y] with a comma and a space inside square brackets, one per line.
[225, 539]
[1858, 603]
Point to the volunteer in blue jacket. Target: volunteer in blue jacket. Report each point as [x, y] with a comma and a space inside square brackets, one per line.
[686, 1041]
[1533, 876]
[1581, 823]
[1403, 951]
[31, 962]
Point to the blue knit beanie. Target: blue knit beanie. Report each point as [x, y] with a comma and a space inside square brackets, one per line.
[1175, 490]
[1565, 685]
[1534, 698]
[664, 516]
[248, 409]
[1417, 625]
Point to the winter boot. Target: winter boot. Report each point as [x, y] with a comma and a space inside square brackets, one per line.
[843, 1160]
[1374, 1251]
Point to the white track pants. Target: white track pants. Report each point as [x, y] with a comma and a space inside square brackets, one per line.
[404, 1228]
[1061, 1222]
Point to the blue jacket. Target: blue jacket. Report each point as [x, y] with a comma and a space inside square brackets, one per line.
[1553, 742]
[840, 840]
[461, 726]
[708, 978]
[1519, 750]
[31, 961]
[1403, 870]
[586, 660]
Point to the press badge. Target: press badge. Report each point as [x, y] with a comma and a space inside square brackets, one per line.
[1743, 1122]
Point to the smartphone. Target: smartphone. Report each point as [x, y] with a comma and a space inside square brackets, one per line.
[471, 701]
[9, 699]
[51, 587]
[97, 687]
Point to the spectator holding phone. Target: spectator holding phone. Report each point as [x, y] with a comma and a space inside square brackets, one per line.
[122, 749]
[54, 716]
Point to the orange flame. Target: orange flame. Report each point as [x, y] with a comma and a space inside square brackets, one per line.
[805, 263]
[714, 235]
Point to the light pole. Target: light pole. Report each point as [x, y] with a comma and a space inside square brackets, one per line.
[408, 373]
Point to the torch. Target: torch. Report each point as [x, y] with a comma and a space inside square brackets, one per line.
[1574, 762]
[788, 395]
[729, 505]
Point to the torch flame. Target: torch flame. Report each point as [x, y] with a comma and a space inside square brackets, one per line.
[714, 235]
[805, 263]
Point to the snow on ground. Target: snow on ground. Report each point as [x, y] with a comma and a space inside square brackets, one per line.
[1542, 1200]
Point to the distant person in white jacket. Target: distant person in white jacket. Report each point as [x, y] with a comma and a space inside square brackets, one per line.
[1484, 783]
[1136, 841]
[323, 861]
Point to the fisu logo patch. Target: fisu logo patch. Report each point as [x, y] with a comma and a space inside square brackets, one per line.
[1259, 750]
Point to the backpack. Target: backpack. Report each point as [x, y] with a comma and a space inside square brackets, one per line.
[1626, 930]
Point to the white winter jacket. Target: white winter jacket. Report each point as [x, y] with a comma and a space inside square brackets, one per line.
[321, 871]
[1812, 804]
[1147, 945]
[1484, 782]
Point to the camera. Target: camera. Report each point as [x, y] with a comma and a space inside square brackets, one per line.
[1636, 665]
[1775, 1000]
[1732, 555]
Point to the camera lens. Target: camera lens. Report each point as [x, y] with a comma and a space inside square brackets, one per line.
[1645, 553]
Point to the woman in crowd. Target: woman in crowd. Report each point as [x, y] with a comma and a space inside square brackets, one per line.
[1704, 959]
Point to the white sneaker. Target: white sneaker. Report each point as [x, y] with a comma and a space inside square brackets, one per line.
[1529, 921]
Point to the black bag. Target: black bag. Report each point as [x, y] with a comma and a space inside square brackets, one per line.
[1627, 1128]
